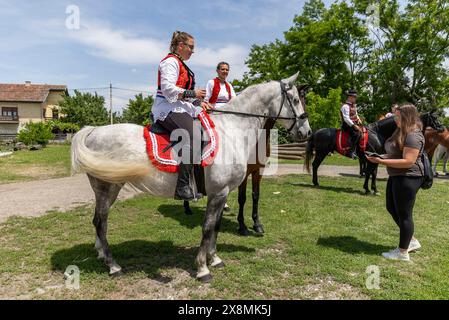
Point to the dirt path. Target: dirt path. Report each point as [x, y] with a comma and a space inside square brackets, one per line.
[31, 199]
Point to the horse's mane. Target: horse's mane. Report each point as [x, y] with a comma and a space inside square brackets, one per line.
[381, 123]
[246, 94]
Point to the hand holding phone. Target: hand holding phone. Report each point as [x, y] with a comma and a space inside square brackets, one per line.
[375, 155]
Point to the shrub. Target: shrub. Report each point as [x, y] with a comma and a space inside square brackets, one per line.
[65, 127]
[35, 133]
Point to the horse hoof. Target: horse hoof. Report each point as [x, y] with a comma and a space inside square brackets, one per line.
[367, 193]
[244, 232]
[227, 209]
[220, 265]
[259, 230]
[116, 274]
[205, 279]
[377, 193]
[188, 212]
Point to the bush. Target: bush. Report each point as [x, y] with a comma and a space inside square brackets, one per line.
[65, 127]
[35, 133]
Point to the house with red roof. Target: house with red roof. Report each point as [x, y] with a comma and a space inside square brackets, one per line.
[21, 103]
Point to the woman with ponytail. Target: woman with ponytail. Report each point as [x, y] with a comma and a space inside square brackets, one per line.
[176, 101]
[405, 170]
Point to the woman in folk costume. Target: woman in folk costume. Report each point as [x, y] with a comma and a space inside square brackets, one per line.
[174, 107]
[218, 90]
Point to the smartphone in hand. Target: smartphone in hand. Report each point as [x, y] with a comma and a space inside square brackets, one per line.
[373, 154]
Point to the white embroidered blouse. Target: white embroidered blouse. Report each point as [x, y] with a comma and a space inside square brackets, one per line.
[167, 98]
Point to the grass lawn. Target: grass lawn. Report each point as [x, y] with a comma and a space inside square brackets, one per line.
[50, 162]
[319, 243]
[334, 160]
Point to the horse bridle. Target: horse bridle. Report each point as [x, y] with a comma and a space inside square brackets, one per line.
[284, 94]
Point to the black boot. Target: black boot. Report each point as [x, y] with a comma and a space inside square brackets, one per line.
[352, 152]
[354, 143]
[183, 189]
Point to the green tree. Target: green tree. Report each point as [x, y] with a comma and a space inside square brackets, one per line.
[328, 46]
[264, 63]
[66, 127]
[84, 109]
[138, 110]
[324, 112]
[407, 63]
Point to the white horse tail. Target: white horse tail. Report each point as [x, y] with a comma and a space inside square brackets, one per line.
[110, 165]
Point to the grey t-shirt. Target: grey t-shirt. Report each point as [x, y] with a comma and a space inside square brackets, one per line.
[413, 140]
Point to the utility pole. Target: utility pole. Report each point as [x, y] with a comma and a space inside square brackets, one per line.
[110, 102]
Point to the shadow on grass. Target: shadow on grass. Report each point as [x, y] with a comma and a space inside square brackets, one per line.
[176, 212]
[136, 256]
[442, 176]
[352, 245]
[329, 188]
[352, 175]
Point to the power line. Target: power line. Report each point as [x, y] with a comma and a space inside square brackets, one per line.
[133, 90]
[88, 89]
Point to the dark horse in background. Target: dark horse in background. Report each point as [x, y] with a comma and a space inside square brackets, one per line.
[255, 171]
[323, 142]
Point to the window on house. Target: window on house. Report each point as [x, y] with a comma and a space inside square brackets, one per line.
[55, 114]
[10, 112]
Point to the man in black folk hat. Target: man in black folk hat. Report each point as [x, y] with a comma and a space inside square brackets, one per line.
[351, 122]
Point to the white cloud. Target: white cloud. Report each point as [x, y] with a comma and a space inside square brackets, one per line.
[124, 47]
[235, 55]
[119, 46]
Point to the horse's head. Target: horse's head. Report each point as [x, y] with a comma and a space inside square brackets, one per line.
[430, 119]
[288, 108]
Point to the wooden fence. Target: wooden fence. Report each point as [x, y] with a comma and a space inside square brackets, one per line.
[291, 151]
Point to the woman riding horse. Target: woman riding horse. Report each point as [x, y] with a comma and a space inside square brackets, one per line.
[174, 105]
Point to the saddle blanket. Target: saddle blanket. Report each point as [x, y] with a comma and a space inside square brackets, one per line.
[166, 161]
[344, 141]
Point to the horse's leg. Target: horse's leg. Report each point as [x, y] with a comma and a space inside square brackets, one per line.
[436, 158]
[187, 209]
[319, 157]
[362, 166]
[207, 251]
[256, 178]
[105, 195]
[445, 158]
[374, 180]
[243, 230]
[368, 172]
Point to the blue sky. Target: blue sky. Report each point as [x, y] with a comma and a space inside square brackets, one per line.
[122, 42]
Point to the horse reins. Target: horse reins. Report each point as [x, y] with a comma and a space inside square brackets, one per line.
[284, 93]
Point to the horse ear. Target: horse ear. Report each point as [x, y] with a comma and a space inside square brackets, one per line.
[291, 81]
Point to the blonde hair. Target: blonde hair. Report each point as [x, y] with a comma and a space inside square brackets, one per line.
[177, 38]
[410, 121]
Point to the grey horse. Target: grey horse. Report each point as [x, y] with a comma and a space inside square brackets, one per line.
[116, 154]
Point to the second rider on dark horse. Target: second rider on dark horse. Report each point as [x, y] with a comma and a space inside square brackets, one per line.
[351, 122]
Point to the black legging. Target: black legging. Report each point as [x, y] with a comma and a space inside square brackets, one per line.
[401, 195]
[184, 121]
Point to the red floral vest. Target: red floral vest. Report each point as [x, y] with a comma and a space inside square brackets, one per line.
[186, 79]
